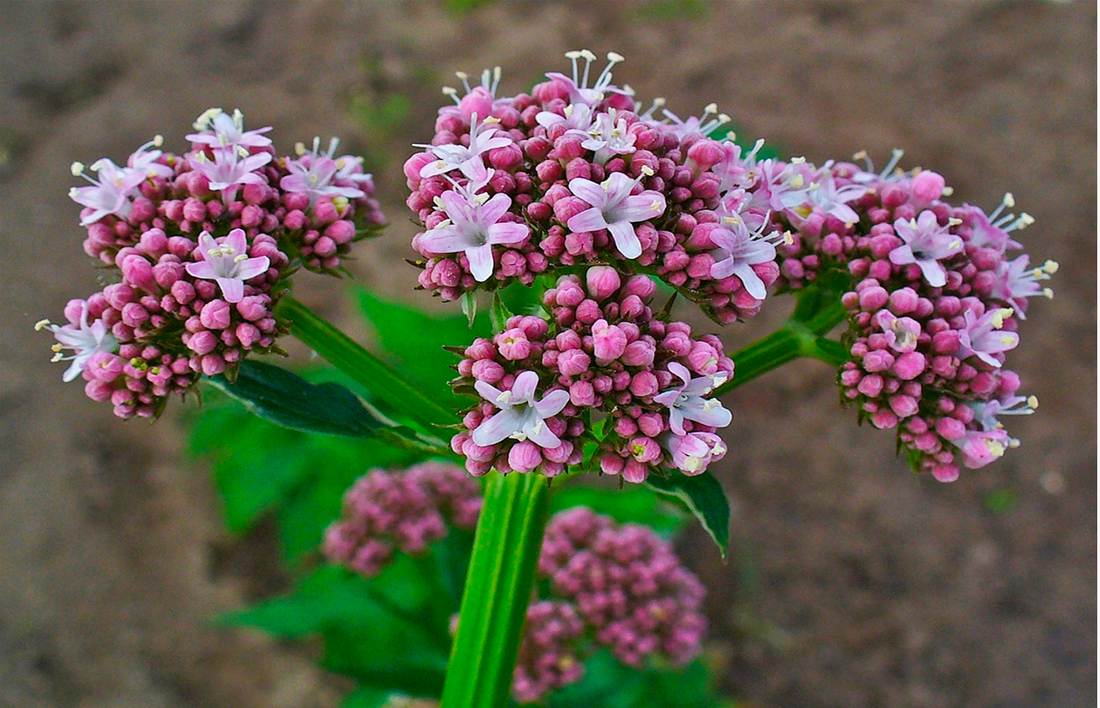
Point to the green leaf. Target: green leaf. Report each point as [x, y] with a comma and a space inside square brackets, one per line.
[469, 306]
[498, 313]
[384, 382]
[289, 400]
[414, 341]
[703, 496]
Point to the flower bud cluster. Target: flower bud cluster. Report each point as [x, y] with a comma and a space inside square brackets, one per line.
[201, 245]
[572, 174]
[401, 511]
[627, 585]
[933, 308]
[604, 359]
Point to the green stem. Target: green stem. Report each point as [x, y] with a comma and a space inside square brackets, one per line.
[801, 336]
[498, 590]
[347, 355]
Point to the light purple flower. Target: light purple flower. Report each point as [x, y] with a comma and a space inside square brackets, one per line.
[693, 453]
[83, 339]
[686, 402]
[705, 124]
[468, 160]
[983, 336]
[227, 171]
[226, 261]
[609, 135]
[110, 194]
[313, 175]
[521, 417]
[473, 226]
[738, 250]
[578, 84]
[985, 413]
[901, 332]
[824, 196]
[614, 209]
[1015, 282]
[578, 117]
[926, 244]
[980, 447]
[144, 160]
[222, 131]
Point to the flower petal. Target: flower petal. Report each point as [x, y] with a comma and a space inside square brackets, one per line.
[539, 433]
[588, 220]
[445, 239]
[626, 240]
[497, 428]
[524, 387]
[232, 288]
[251, 267]
[552, 403]
[589, 191]
[508, 233]
[481, 262]
[201, 269]
[641, 207]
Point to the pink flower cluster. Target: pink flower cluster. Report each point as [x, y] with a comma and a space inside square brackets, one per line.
[403, 511]
[201, 245]
[607, 585]
[572, 174]
[933, 307]
[626, 589]
[604, 359]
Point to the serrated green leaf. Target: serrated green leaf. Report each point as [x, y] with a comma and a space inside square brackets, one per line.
[287, 399]
[703, 496]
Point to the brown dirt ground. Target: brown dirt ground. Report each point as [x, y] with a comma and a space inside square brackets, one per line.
[852, 584]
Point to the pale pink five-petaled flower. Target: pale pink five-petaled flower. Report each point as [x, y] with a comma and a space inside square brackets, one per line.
[226, 261]
[521, 416]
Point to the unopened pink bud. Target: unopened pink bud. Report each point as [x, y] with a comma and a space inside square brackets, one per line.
[524, 456]
[216, 314]
[603, 282]
[608, 341]
[574, 362]
[927, 185]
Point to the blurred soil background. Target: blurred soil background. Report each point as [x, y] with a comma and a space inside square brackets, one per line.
[852, 583]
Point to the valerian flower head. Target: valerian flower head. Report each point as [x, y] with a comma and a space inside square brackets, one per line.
[615, 208]
[521, 416]
[687, 402]
[314, 175]
[226, 261]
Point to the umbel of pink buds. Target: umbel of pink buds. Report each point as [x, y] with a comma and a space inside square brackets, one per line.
[199, 247]
[606, 585]
[572, 174]
[934, 300]
[604, 356]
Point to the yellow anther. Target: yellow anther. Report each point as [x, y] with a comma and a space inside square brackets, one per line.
[655, 206]
[586, 54]
[615, 57]
[481, 198]
[1014, 442]
[491, 121]
[1025, 220]
[1051, 267]
[1048, 293]
[948, 191]
[158, 140]
[462, 75]
[996, 449]
[1007, 339]
[861, 155]
[450, 91]
[56, 347]
[299, 149]
[710, 108]
[788, 238]
[648, 172]
[41, 325]
[575, 54]
[693, 464]
[242, 257]
[797, 181]
[77, 168]
[1033, 402]
[798, 160]
[954, 222]
[56, 357]
[1009, 200]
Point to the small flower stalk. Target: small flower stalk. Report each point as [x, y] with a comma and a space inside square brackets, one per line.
[199, 248]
